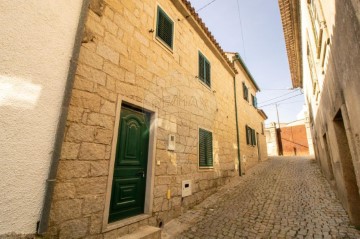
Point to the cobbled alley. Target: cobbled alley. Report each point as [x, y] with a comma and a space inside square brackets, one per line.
[284, 197]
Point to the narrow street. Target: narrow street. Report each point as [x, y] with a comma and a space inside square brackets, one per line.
[284, 197]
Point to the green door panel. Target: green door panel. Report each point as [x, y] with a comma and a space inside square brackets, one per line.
[129, 180]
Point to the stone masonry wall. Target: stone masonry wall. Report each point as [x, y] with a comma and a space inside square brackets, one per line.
[339, 90]
[121, 57]
[248, 115]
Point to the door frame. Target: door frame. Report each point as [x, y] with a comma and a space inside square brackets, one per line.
[150, 171]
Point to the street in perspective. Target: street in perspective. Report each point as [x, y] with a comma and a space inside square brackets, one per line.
[201, 119]
[284, 197]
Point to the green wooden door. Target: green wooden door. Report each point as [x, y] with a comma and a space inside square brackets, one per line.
[129, 181]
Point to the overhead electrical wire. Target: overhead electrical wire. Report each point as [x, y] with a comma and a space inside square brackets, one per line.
[241, 28]
[278, 89]
[206, 5]
[280, 100]
[277, 97]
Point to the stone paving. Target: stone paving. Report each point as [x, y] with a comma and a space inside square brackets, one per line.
[283, 197]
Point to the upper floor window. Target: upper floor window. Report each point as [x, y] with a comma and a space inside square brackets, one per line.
[205, 148]
[204, 69]
[254, 101]
[250, 136]
[164, 28]
[245, 92]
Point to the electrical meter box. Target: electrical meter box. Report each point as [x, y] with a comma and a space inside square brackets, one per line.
[186, 188]
[171, 144]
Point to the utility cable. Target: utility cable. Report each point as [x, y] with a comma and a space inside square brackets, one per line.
[277, 89]
[241, 28]
[280, 101]
[206, 5]
[278, 97]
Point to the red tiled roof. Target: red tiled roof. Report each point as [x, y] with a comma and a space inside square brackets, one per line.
[207, 32]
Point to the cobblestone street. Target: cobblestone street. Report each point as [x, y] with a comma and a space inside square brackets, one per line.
[280, 198]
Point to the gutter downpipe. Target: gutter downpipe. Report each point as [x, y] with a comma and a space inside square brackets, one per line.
[237, 126]
[59, 137]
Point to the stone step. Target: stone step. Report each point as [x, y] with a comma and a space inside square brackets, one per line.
[144, 232]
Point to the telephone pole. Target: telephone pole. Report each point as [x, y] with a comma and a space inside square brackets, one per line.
[279, 132]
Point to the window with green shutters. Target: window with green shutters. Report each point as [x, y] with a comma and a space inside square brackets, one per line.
[205, 148]
[254, 101]
[204, 69]
[245, 92]
[250, 136]
[164, 28]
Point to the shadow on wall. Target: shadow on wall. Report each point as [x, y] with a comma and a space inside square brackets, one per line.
[336, 123]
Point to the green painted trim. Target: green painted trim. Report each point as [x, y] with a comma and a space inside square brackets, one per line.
[160, 11]
[208, 159]
[238, 57]
[206, 76]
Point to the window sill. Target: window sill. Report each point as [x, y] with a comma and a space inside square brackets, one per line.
[205, 168]
[163, 45]
[201, 82]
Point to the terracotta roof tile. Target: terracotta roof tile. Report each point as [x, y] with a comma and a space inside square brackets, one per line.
[207, 32]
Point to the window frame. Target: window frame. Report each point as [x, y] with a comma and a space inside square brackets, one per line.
[250, 136]
[207, 166]
[254, 101]
[206, 72]
[245, 92]
[167, 17]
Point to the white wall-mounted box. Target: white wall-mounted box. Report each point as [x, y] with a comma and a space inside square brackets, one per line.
[171, 143]
[186, 188]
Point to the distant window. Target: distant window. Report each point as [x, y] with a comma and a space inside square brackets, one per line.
[245, 92]
[262, 128]
[164, 28]
[205, 148]
[204, 69]
[254, 101]
[250, 136]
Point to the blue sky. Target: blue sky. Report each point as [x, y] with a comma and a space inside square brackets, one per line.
[262, 46]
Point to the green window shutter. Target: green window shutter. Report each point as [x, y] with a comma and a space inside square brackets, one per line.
[165, 28]
[204, 69]
[207, 72]
[253, 137]
[247, 134]
[255, 102]
[205, 148]
[245, 92]
[201, 67]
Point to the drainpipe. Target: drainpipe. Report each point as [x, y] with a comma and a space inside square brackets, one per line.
[59, 137]
[237, 127]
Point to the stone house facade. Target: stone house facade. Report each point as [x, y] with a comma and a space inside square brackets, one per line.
[322, 40]
[250, 119]
[152, 126]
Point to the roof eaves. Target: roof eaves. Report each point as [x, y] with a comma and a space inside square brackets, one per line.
[290, 16]
[207, 32]
[262, 113]
[238, 57]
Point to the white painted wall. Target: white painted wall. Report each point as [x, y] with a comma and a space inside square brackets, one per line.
[36, 41]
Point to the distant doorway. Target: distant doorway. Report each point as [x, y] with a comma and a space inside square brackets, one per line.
[348, 172]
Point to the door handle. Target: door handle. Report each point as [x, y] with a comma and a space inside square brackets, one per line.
[141, 173]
